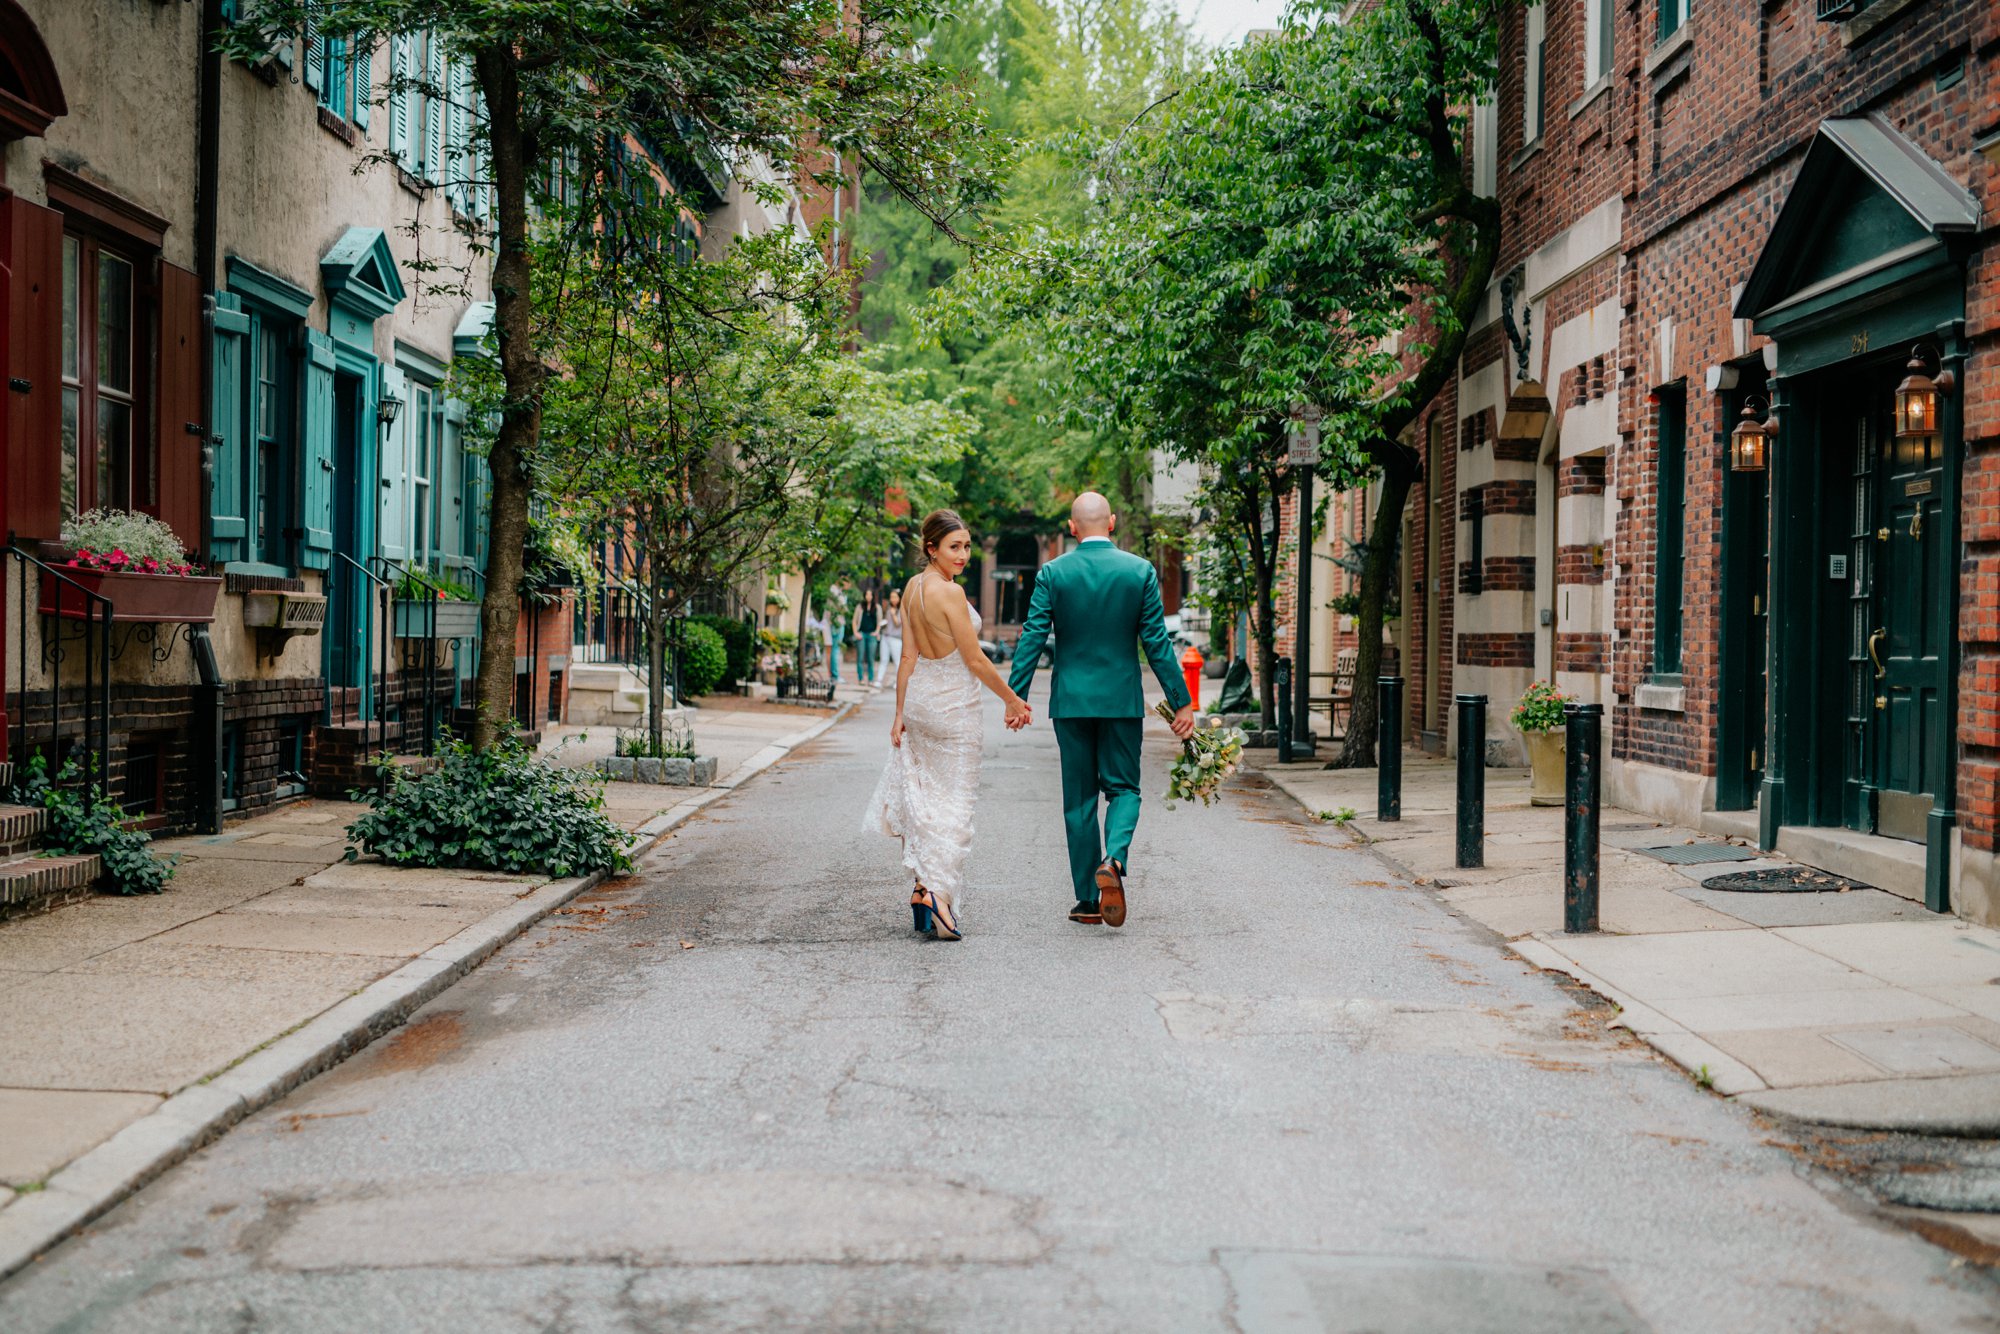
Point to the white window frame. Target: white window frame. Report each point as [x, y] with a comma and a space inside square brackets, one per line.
[1534, 86]
[1599, 41]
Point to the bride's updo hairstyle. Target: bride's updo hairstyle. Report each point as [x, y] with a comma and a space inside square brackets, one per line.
[939, 525]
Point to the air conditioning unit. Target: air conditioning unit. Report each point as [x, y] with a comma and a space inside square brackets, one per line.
[1840, 9]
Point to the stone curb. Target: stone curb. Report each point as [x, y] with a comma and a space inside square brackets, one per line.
[88, 1187]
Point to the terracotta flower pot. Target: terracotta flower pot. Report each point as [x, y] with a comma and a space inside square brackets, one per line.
[1546, 758]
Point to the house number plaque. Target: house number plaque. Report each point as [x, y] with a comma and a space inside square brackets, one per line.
[1920, 487]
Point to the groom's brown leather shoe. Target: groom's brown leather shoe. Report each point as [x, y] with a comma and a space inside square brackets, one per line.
[1111, 892]
[1086, 914]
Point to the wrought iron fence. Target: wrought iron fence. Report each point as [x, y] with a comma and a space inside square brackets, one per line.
[46, 600]
[361, 600]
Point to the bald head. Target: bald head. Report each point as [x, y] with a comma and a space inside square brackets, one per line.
[1090, 516]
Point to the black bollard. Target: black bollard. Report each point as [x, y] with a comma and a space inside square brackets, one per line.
[1471, 780]
[1582, 785]
[1389, 748]
[1282, 686]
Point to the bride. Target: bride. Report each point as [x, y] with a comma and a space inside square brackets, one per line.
[927, 788]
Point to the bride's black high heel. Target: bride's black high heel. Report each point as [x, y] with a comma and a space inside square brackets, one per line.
[920, 909]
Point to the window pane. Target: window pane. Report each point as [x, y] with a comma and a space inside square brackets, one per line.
[114, 323]
[72, 407]
[72, 350]
[269, 356]
[114, 454]
[267, 537]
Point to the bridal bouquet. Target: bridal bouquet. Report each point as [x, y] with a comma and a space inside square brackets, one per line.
[1209, 756]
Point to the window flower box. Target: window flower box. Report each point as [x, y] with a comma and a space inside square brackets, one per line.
[172, 598]
[454, 619]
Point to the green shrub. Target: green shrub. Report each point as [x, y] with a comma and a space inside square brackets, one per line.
[498, 809]
[704, 660]
[740, 641]
[80, 821]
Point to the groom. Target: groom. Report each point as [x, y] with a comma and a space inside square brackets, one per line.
[1100, 602]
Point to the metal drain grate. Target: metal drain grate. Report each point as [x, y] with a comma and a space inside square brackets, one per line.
[1783, 880]
[1681, 854]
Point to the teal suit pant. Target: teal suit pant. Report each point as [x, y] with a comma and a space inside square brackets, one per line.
[1100, 759]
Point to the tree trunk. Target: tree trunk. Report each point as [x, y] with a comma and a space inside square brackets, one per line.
[520, 419]
[799, 647]
[656, 662]
[1378, 569]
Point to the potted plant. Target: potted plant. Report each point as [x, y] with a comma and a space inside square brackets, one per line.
[135, 562]
[1539, 716]
[435, 607]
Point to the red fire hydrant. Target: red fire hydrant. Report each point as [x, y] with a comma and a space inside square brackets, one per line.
[1191, 668]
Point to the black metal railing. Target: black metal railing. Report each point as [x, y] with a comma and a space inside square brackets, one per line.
[1841, 9]
[611, 627]
[46, 598]
[424, 629]
[358, 588]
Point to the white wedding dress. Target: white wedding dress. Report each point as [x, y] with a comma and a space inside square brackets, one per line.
[928, 786]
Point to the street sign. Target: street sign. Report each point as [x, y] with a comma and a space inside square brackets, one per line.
[1304, 451]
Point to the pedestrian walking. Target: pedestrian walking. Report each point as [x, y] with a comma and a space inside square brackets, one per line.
[892, 629]
[867, 644]
[836, 628]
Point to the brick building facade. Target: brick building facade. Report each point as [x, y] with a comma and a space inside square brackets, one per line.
[1761, 208]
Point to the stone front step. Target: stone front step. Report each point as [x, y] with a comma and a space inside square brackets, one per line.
[20, 827]
[31, 883]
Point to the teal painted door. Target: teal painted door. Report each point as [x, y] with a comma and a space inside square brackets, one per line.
[1907, 643]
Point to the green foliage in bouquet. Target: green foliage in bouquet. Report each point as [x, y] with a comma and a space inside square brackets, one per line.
[1207, 757]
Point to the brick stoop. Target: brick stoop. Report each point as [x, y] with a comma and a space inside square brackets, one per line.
[33, 884]
[20, 828]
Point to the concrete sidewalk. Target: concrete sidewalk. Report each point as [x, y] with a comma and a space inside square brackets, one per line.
[1857, 1009]
[139, 1027]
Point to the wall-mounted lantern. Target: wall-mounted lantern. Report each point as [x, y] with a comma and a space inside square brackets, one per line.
[1750, 442]
[1917, 395]
[386, 409]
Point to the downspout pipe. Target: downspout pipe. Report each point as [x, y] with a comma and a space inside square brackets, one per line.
[206, 748]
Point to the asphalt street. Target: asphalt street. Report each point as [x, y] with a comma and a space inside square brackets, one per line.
[736, 1092]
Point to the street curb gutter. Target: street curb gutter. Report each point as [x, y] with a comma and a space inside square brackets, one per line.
[192, 1118]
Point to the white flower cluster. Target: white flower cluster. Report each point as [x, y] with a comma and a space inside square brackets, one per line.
[1212, 754]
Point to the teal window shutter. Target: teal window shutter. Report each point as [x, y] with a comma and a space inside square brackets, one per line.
[479, 495]
[362, 48]
[399, 99]
[316, 459]
[458, 138]
[435, 92]
[452, 482]
[229, 328]
[315, 70]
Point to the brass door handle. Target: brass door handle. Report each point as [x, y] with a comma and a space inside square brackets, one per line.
[1917, 522]
[1874, 657]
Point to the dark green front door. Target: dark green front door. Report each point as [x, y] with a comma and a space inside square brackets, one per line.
[1912, 619]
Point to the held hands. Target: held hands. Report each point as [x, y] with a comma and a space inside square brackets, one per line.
[1019, 715]
[1183, 723]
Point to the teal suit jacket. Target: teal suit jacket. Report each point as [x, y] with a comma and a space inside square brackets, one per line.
[1104, 605]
